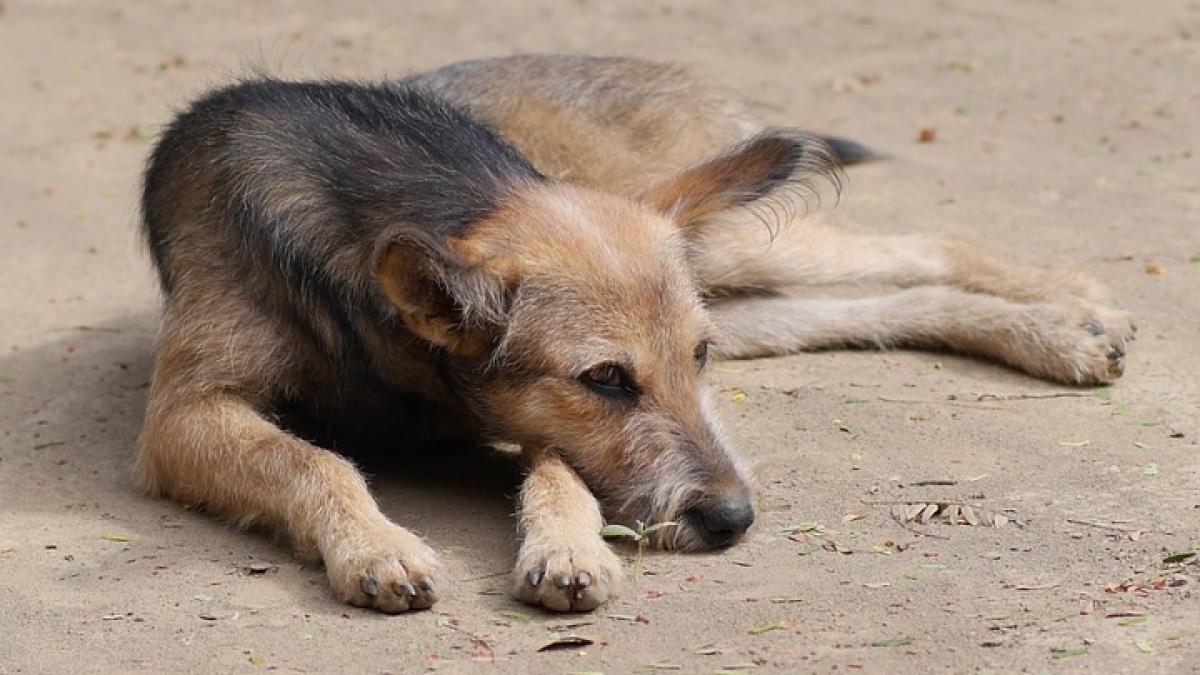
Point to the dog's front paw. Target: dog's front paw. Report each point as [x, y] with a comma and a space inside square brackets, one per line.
[386, 568]
[566, 576]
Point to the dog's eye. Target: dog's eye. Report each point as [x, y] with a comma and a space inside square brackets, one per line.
[609, 379]
[701, 353]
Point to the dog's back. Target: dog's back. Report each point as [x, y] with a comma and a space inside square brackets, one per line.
[612, 123]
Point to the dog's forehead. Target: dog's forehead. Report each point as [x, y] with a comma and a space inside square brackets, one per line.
[574, 327]
[601, 274]
[582, 238]
[575, 226]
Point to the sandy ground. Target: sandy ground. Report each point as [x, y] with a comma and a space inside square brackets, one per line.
[1066, 131]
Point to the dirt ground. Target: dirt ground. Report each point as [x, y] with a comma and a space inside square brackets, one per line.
[1065, 131]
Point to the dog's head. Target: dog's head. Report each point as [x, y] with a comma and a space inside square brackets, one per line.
[576, 324]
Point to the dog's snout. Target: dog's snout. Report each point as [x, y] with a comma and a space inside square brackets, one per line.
[722, 521]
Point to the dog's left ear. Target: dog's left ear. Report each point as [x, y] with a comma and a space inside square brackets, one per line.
[442, 298]
[766, 165]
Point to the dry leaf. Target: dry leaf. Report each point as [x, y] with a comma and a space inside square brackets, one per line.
[567, 642]
[927, 513]
[950, 513]
[969, 516]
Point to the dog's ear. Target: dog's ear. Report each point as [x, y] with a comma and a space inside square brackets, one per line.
[770, 170]
[450, 302]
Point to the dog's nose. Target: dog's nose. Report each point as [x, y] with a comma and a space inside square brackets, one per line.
[724, 520]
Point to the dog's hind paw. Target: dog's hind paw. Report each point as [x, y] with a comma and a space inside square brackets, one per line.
[389, 569]
[1075, 342]
[566, 577]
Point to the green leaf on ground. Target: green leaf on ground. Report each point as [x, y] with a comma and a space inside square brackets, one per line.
[48, 444]
[1067, 653]
[761, 628]
[901, 641]
[1150, 469]
[1143, 646]
[618, 531]
[842, 426]
[1181, 557]
[119, 538]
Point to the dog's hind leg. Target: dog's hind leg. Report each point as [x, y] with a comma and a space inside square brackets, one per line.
[1068, 341]
[738, 252]
[563, 563]
[206, 443]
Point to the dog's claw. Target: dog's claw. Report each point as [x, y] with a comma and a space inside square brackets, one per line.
[408, 589]
[568, 579]
[369, 586]
[1095, 328]
[427, 584]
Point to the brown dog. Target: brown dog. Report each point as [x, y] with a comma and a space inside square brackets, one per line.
[537, 250]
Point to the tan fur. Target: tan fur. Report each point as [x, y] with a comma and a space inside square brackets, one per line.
[613, 265]
[563, 564]
[737, 253]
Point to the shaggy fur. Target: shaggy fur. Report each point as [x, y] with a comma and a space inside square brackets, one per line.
[537, 250]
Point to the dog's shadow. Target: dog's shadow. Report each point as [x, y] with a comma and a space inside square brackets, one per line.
[70, 410]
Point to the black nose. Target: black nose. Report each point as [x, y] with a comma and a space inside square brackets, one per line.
[723, 520]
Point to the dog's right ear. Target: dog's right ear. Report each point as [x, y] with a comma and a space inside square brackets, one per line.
[772, 164]
[441, 298]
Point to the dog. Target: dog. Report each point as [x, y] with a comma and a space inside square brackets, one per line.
[536, 250]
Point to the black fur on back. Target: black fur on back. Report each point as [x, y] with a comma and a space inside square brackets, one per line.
[298, 174]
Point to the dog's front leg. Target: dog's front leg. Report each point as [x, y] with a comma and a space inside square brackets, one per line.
[563, 563]
[218, 451]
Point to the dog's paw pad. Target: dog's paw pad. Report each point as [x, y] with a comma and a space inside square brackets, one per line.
[569, 579]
